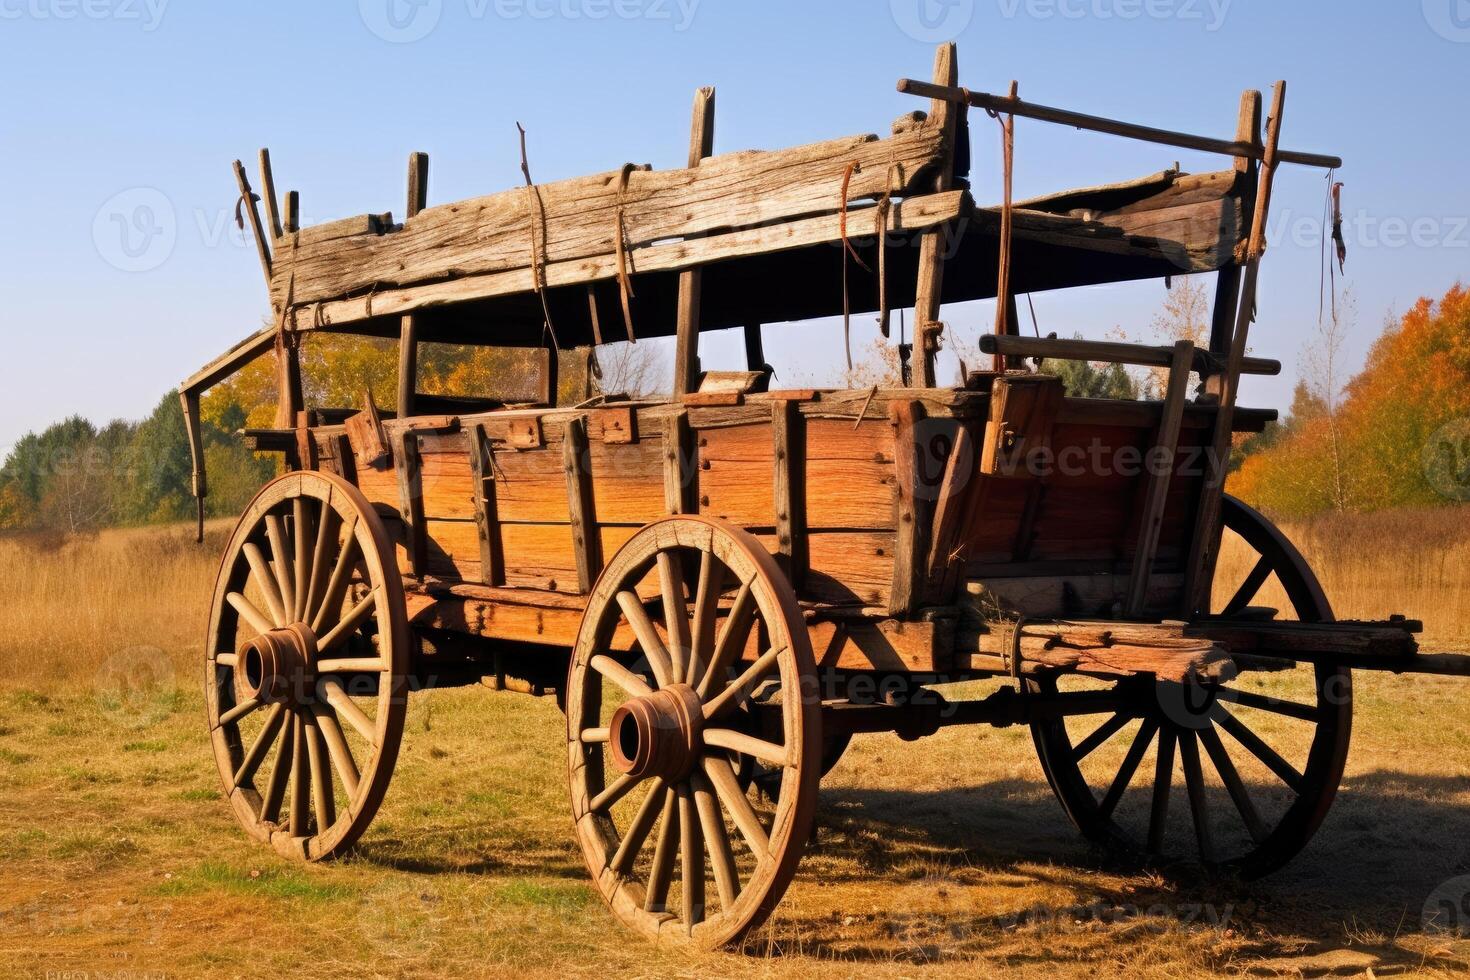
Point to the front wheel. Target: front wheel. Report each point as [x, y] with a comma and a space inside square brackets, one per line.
[692, 655]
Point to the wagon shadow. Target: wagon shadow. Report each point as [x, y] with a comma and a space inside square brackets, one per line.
[1390, 841]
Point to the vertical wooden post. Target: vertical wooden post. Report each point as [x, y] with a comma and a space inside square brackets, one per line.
[268, 191]
[193, 424]
[252, 214]
[788, 430]
[686, 361]
[1160, 465]
[408, 341]
[1227, 283]
[586, 538]
[1205, 545]
[910, 552]
[755, 349]
[487, 515]
[407, 466]
[291, 213]
[288, 385]
[680, 489]
[927, 327]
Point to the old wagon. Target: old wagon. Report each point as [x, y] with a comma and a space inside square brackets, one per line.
[722, 586]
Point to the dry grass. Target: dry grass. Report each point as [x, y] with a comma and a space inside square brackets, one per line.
[941, 856]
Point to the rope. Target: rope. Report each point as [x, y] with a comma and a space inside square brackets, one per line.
[538, 282]
[847, 250]
[1003, 274]
[880, 227]
[625, 285]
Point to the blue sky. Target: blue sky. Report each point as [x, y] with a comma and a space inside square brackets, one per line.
[132, 110]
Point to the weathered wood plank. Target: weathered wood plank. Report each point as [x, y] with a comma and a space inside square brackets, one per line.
[911, 551]
[487, 520]
[788, 432]
[942, 121]
[686, 356]
[586, 542]
[1159, 472]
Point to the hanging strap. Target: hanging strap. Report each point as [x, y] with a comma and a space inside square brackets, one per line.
[1003, 273]
[625, 284]
[538, 282]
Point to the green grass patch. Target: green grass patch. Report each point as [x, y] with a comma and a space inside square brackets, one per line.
[559, 897]
[13, 757]
[153, 745]
[197, 795]
[286, 883]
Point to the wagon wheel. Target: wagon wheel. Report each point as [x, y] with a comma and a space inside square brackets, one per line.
[1253, 799]
[655, 734]
[307, 659]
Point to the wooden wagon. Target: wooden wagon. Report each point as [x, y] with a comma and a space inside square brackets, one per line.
[723, 585]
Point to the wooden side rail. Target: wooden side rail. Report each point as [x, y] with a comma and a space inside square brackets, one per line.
[1205, 362]
[1099, 124]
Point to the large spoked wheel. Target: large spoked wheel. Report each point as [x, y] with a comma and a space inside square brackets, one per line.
[1252, 799]
[307, 660]
[719, 670]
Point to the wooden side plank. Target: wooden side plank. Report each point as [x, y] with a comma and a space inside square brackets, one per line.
[585, 539]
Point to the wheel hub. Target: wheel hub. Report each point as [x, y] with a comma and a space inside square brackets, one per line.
[660, 734]
[279, 665]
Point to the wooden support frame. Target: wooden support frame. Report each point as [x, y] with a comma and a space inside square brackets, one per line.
[1227, 281]
[586, 540]
[910, 552]
[408, 467]
[408, 343]
[788, 433]
[755, 349]
[686, 362]
[1156, 493]
[927, 328]
[1205, 542]
[487, 520]
[681, 487]
[1144, 355]
[268, 192]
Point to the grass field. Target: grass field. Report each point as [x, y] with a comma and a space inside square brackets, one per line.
[942, 856]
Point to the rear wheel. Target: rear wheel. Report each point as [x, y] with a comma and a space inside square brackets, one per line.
[1251, 799]
[306, 664]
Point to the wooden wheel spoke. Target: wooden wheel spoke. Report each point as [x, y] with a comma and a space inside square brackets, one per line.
[665, 851]
[300, 781]
[321, 566]
[275, 529]
[1194, 785]
[270, 806]
[1158, 816]
[355, 617]
[638, 830]
[706, 616]
[321, 775]
[258, 749]
[1248, 588]
[1257, 747]
[300, 537]
[743, 685]
[239, 711]
[648, 639]
[249, 613]
[717, 840]
[351, 665]
[615, 791]
[676, 611]
[338, 749]
[1265, 702]
[594, 736]
[722, 776]
[1130, 764]
[624, 678]
[1233, 784]
[731, 642]
[265, 581]
[691, 849]
[341, 578]
[768, 752]
[348, 709]
[1106, 731]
